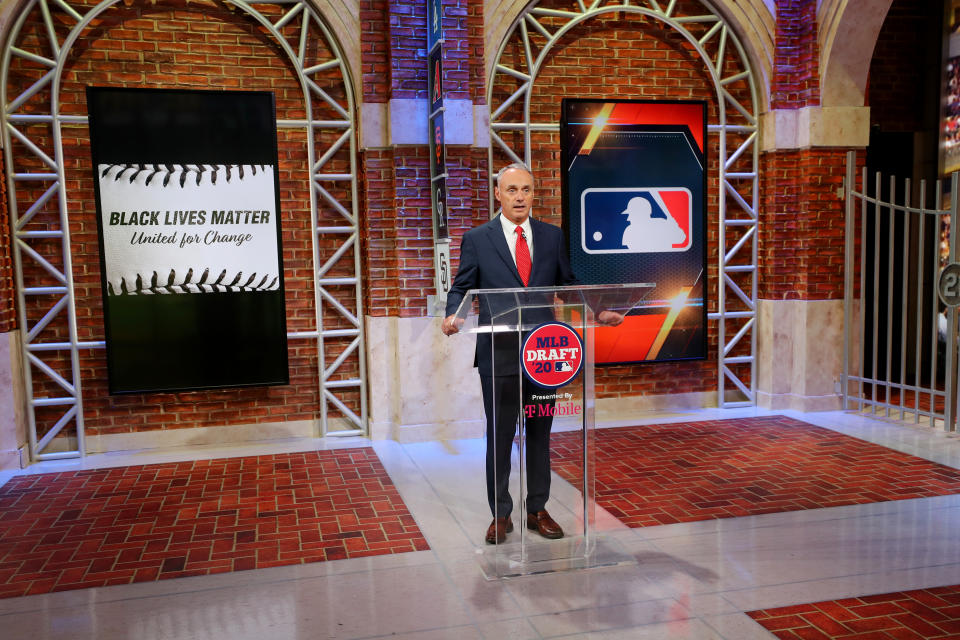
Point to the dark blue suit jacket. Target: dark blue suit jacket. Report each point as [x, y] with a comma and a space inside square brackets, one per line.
[485, 263]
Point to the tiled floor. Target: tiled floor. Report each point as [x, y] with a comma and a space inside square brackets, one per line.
[691, 580]
[81, 529]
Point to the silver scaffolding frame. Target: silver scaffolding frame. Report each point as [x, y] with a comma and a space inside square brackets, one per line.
[60, 282]
[737, 264]
[889, 391]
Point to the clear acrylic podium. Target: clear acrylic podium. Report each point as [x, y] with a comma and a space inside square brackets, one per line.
[518, 347]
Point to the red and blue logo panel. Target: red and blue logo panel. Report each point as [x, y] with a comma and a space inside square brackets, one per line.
[634, 207]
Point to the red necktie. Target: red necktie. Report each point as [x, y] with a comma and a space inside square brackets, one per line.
[523, 257]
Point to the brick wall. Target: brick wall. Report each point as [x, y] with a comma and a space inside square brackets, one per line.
[397, 223]
[475, 53]
[795, 82]
[374, 51]
[197, 44]
[802, 212]
[802, 222]
[651, 62]
[180, 44]
[399, 260]
[407, 39]
[393, 41]
[625, 56]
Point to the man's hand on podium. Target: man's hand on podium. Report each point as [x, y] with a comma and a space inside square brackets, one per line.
[451, 325]
[609, 318]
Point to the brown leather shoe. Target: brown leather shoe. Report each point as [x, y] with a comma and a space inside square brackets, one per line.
[498, 530]
[542, 523]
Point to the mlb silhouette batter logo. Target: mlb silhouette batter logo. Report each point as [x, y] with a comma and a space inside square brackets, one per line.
[639, 220]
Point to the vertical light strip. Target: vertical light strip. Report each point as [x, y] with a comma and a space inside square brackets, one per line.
[676, 306]
[599, 122]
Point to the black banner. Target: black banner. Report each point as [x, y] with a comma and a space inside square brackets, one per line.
[188, 218]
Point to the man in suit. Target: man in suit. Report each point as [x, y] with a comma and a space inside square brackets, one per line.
[512, 250]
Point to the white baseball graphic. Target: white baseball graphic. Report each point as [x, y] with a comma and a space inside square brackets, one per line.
[188, 228]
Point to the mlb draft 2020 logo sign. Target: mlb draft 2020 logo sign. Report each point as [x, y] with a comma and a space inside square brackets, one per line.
[639, 220]
[552, 354]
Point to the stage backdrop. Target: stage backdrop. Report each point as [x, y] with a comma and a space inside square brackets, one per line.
[634, 210]
[188, 217]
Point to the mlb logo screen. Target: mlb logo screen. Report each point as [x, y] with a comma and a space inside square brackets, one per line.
[638, 220]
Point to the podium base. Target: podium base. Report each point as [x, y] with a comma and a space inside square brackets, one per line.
[567, 554]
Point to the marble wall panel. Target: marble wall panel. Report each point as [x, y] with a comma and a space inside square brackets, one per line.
[799, 354]
[13, 433]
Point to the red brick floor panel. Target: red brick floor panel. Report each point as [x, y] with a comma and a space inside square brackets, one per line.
[82, 529]
[925, 614]
[683, 472]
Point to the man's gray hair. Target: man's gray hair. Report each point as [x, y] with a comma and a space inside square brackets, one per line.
[513, 165]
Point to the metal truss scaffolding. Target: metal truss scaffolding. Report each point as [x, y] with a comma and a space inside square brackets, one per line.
[536, 32]
[36, 183]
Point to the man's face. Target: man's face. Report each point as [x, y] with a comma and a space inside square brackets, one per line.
[515, 195]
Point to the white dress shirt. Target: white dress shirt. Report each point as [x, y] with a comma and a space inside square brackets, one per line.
[511, 236]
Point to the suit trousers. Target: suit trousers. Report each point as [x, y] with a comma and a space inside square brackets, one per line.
[504, 425]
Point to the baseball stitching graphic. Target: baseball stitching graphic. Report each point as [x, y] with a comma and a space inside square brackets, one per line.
[187, 286]
[168, 171]
[188, 228]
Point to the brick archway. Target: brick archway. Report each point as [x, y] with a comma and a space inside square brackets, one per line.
[702, 46]
[52, 51]
[751, 20]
